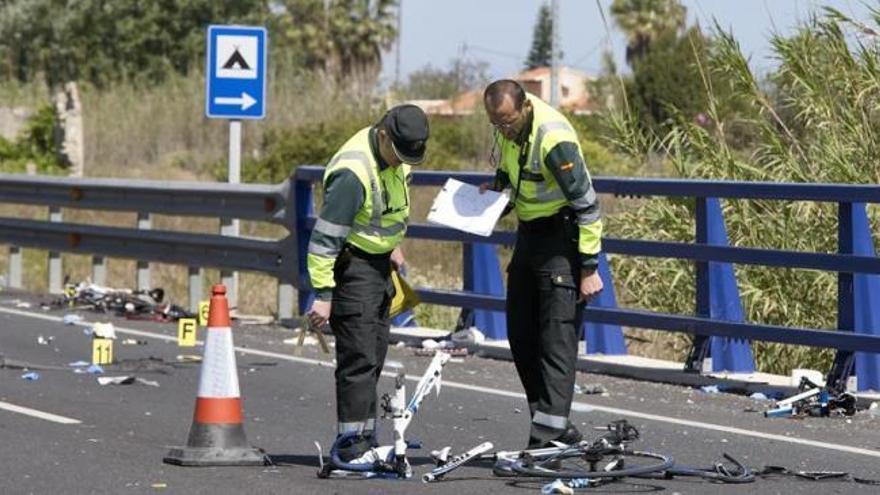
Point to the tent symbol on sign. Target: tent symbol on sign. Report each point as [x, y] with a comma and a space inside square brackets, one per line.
[236, 61]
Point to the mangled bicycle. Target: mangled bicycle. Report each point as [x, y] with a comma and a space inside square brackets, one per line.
[589, 463]
[390, 461]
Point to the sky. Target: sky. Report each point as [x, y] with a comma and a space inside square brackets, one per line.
[499, 32]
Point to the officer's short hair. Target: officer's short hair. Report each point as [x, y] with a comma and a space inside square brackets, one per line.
[498, 90]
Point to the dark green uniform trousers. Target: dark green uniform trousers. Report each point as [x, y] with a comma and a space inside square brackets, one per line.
[359, 319]
[544, 319]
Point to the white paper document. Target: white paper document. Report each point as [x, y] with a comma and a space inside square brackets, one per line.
[462, 207]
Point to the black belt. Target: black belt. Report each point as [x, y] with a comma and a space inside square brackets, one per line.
[553, 222]
[360, 253]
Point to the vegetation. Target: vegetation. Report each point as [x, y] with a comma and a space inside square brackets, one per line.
[813, 120]
[341, 39]
[100, 42]
[645, 21]
[34, 147]
[438, 83]
[541, 53]
[690, 107]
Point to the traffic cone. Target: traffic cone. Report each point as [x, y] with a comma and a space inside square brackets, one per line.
[216, 437]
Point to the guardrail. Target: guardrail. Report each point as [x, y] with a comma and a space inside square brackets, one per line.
[264, 203]
[718, 326]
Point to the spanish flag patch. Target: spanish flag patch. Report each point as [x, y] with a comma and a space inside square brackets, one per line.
[566, 166]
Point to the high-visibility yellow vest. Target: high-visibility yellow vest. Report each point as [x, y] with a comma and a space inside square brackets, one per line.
[537, 193]
[380, 224]
[537, 198]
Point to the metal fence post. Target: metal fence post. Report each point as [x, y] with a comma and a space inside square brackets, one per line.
[844, 361]
[285, 301]
[56, 283]
[143, 267]
[304, 204]
[99, 270]
[603, 338]
[14, 280]
[700, 347]
[194, 275]
[855, 295]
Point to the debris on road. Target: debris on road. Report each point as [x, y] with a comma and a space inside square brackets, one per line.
[78, 364]
[104, 331]
[128, 303]
[710, 389]
[758, 396]
[814, 400]
[115, 380]
[471, 335]
[45, 341]
[814, 376]
[134, 342]
[590, 389]
[71, 319]
[568, 487]
[455, 351]
[92, 370]
[125, 380]
[31, 376]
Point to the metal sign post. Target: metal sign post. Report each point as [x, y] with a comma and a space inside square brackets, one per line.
[235, 89]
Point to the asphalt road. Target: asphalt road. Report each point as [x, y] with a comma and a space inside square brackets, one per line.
[122, 432]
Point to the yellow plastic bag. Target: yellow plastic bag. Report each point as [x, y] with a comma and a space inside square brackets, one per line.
[405, 298]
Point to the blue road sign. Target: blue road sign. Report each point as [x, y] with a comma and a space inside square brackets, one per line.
[235, 80]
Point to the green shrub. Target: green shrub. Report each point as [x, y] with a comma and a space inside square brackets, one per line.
[34, 144]
[817, 123]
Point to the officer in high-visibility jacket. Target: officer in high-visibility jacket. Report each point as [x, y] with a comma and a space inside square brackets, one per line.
[555, 260]
[353, 245]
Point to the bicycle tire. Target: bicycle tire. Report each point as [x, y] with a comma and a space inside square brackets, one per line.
[663, 464]
[706, 474]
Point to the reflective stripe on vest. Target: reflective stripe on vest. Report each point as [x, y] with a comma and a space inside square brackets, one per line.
[541, 193]
[376, 229]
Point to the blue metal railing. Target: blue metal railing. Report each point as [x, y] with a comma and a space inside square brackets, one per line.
[857, 333]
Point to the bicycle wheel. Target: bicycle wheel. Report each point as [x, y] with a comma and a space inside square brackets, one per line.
[617, 465]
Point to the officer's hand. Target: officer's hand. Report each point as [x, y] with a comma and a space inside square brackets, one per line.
[397, 258]
[591, 284]
[485, 186]
[319, 313]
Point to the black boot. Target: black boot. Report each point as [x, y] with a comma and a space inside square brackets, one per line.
[570, 436]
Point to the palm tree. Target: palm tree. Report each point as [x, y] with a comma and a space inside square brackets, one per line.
[343, 39]
[643, 21]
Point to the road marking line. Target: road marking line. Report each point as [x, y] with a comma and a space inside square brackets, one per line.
[38, 414]
[577, 406]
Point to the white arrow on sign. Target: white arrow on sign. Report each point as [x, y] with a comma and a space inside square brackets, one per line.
[246, 101]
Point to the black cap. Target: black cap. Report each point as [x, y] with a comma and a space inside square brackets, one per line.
[407, 126]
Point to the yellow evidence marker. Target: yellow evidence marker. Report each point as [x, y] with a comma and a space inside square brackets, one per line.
[186, 332]
[102, 351]
[204, 306]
